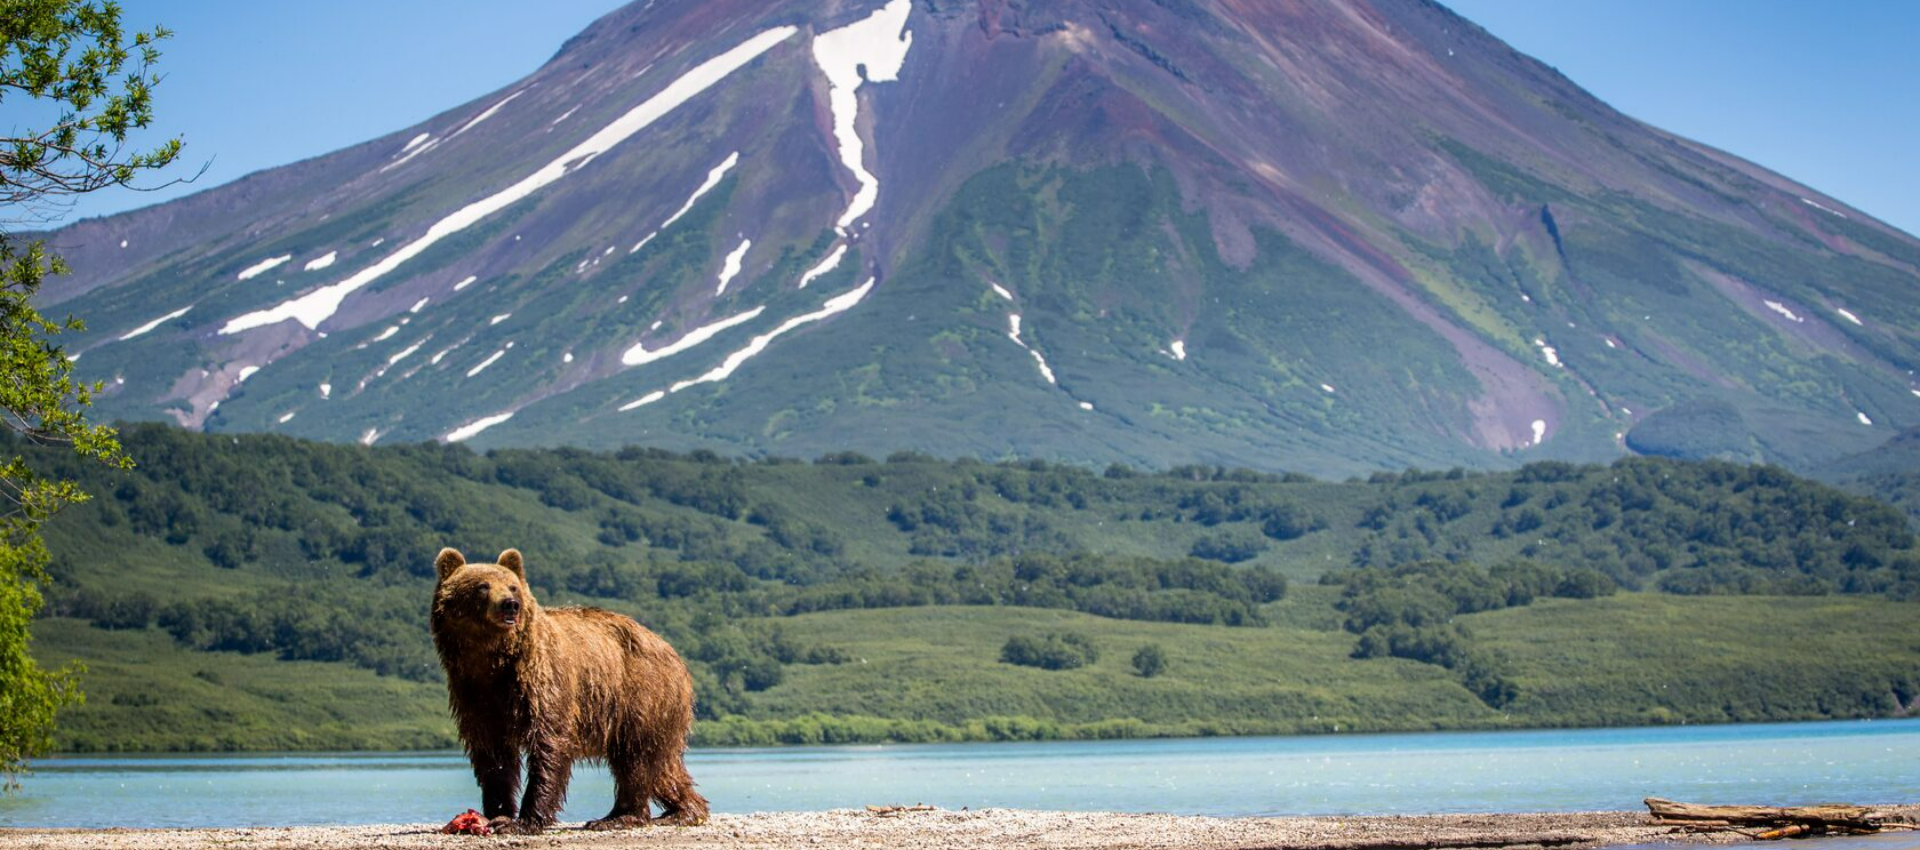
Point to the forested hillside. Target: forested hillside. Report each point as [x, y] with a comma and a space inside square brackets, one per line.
[849, 598]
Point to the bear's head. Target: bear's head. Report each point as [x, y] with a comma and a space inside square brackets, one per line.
[482, 599]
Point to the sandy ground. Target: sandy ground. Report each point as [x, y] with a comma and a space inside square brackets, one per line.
[985, 828]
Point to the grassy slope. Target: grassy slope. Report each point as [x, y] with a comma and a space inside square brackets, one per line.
[1707, 660]
[145, 693]
[1634, 658]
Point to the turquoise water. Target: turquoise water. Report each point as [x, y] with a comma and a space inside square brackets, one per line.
[1561, 770]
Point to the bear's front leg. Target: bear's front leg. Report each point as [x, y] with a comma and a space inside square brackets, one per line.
[549, 767]
[498, 769]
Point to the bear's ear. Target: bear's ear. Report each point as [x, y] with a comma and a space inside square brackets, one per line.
[447, 561]
[511, 560]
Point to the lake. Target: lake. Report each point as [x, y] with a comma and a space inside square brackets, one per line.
[1866, 762]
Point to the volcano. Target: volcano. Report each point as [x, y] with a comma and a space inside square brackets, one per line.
[1323, 237]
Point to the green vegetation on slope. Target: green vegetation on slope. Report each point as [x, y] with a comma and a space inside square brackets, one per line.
[1661, 312]
[934, 674]
[883, 595]
[1889, 472]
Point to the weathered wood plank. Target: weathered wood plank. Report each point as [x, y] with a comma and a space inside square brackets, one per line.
[1778, 821]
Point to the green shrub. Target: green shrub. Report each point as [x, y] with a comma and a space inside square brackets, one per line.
[1150, 661]
[1228, 547]
[1053, 651]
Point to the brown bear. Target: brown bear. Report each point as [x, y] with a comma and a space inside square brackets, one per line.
[556, 685]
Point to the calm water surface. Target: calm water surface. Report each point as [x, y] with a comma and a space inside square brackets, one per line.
[1562, 770]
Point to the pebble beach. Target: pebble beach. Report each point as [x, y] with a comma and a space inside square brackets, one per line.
[955, 830]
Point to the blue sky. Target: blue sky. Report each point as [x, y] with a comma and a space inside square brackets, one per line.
[1824, 91]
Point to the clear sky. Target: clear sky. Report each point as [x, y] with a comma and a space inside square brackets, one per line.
[1824, 91]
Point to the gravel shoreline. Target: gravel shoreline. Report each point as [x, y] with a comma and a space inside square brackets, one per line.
[958, 830]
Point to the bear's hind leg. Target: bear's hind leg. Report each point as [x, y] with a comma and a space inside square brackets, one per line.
[680, 805]
[630, 808]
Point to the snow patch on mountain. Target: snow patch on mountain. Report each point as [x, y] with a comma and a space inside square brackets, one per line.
[317, 306]
[1863, 418]
[638, 354]
[1539, 431]
[407, 155]
[415, 142]
[1000, 291]
[498, 319]
[1045, 370]
[731, 267]
[1849, 316]
[465, 282]
[322, 261]
[876, 45]
[148, 327]
[837, 304]
[245, 373]
[417, 305]
[1179, 347]
[262, 267]
[1825, 209]
[405, 352]
[1039, 359]
[467, 431]
[714, 176]
[487, 114]
[831, 262]
[491, 359]
[644, 400]
[1551, 354]
[1013, 333]
[1783, 310]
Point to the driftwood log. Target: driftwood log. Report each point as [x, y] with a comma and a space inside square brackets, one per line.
[1770, 822]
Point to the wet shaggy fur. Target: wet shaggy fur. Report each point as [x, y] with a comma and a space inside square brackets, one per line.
[552, 686]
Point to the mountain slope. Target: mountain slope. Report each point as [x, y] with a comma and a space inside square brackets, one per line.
[1324, 237]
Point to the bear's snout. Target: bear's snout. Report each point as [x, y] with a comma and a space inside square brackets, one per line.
[510, 610]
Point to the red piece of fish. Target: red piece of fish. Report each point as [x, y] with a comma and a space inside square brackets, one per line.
[467, 823]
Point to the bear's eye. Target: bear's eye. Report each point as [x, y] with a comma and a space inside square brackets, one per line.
[513, 588]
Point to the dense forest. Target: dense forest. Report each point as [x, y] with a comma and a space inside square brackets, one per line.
[274, 548]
